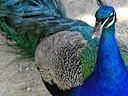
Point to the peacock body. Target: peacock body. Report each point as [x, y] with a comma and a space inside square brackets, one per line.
[110, 76]
[66, 53]
[28, 21]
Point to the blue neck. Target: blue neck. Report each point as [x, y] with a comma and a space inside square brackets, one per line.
[110, 69]
[109, 60]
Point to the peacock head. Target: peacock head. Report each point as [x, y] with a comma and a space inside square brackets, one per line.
[105, 17]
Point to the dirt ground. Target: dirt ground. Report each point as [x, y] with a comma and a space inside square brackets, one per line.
[21, 78]
[18, 77]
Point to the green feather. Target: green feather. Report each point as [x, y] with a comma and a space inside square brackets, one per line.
[88, 60]
[124, 56]
[89, 56]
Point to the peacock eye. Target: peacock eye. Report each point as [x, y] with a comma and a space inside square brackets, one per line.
[102, 20]
[111, 18]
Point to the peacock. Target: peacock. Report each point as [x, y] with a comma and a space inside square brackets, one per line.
[64, 50]
[110, 74]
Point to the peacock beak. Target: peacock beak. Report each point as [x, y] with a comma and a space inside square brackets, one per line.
[97, 29]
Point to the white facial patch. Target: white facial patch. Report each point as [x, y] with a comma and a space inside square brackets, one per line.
[103, 24]
[111, 21]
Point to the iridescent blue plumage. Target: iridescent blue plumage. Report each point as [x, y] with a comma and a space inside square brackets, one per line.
[110, 77]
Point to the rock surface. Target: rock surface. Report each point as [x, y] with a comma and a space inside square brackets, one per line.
[18, 77]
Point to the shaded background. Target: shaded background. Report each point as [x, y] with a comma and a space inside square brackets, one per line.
[85, 10]
[21, 78]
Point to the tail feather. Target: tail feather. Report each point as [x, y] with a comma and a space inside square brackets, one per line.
[27, 21]
[8, 30]
[23, 7]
